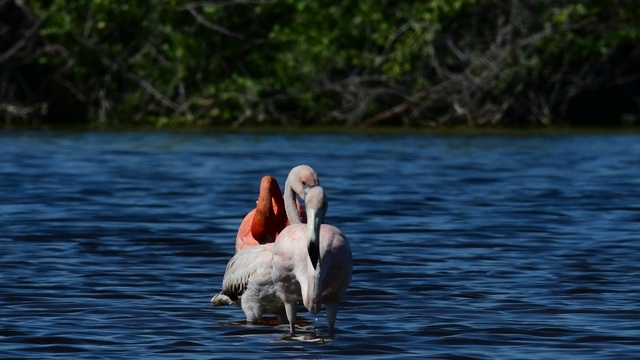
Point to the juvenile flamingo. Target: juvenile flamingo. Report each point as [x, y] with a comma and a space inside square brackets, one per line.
[273, 211]
[247, 279]
[312, 263]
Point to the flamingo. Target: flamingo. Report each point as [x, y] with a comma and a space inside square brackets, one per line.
[247, 279]
[312, 263]
[273, 211]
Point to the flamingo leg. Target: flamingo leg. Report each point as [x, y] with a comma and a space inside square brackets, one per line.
[290, 308]
[332, 313]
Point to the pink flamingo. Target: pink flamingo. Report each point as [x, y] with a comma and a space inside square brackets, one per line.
[312, 263]
[247, 279]
[273, 211]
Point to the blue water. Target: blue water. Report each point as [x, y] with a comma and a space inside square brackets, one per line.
[465, 247]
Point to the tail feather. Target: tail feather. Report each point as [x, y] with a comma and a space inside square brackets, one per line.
[221, 299]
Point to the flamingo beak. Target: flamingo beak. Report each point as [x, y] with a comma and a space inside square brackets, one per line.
[314, 255]
[314, 220]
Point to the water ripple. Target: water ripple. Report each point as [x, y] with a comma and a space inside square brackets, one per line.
[464, 247]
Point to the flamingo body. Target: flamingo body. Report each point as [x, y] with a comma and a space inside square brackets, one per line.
[247, 284]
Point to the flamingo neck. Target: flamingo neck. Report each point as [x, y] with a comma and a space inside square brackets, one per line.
[278, 206]
[290, 205]
[262, 225]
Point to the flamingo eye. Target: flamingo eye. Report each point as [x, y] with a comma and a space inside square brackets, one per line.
[306, 187]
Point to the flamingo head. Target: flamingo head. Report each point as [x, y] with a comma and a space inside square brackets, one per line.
[302, 178]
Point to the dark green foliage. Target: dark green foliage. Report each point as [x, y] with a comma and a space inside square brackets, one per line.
[433, 63]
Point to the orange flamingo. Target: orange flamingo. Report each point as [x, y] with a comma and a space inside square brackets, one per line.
[274, 212]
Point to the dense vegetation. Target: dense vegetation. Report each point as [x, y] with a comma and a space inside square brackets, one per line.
[303, 62]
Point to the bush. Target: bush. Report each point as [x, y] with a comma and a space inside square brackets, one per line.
[417, 63]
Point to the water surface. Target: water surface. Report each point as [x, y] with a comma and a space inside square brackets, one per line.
[465, 247]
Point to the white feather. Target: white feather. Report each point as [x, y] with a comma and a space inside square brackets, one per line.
[247, 283]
